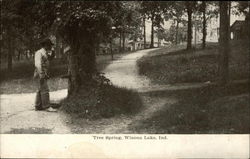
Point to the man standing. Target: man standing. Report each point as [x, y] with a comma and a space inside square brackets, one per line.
[42, 58]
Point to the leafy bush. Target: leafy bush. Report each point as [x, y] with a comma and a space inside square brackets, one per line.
[100, 99]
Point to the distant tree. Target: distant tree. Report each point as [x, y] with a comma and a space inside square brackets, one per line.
[144, 32]
[153, 10]
[205, 10]
[224, 47]
[127, 21]
[175, 13]
[10, 20]
[204, 30]
[23, 24]
[161, 34]
[190, 7]
[171, 34]
[243, 7]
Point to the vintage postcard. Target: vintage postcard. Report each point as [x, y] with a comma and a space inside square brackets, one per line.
[125, 79]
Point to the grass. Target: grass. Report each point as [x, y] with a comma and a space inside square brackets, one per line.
[93, 102]
[210, 110]
[176, 65]
[20, 79]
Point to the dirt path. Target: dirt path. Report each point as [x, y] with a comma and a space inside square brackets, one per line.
[18, 115]
[124, 73]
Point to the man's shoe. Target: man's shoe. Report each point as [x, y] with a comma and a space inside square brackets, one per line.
[38, 109]
[50, 109]
[55, 105]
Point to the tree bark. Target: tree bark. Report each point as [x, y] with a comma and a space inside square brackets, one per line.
[81, 64]
[123, 41]
[204, 27]
[120, 44]
[229, 14]
[73, 73]
[176, 33]
[158, 40]
[248, 23]
[224, 42]
[189, 31]
[152, 33]
[144, 32]
[19, 55]
[10, 52]
[111, 48]
[58, 43]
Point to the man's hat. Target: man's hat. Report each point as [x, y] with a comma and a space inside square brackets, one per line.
[46, 42]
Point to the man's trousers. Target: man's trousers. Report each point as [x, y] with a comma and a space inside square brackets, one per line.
[42, 100]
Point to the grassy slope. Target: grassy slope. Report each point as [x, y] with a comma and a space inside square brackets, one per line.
[194, 66]
[202, 111]
[20, 80]
[207, 110]
[95, 102]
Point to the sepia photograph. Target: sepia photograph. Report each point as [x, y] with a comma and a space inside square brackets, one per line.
[124, 70]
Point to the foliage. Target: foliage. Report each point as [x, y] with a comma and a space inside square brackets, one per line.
[171, 33]
[128, 19]
[153, 10]
[242, 7]
[161, 33]
[177, 11]
[101, 99]
[211, 11]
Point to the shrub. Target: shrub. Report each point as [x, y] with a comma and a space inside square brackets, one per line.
[101, 99]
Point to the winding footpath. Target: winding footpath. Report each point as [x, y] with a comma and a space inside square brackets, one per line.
[18, 114]
[124, 73]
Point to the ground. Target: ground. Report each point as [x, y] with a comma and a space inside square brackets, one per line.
[167, 107]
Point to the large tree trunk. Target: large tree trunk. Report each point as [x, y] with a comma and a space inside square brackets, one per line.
[58, 48]
[229, 13]
[10, 52]
[204, 27]
[152, 33]
[189, 31]
[74, 81]
[82, 64]
[176, 32]
[88, 58]
[144, 32]
[224, 42]
[19, 55]
[248, 24]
